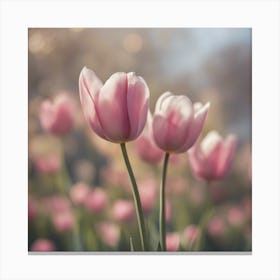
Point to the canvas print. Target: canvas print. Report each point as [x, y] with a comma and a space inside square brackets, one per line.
[139, 140]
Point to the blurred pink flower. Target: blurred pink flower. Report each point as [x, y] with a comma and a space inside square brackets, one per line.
[235, 216]
[116, 111]
[146, 147]
[109, 233]
[79, 193]
[211, 159]
[48, 165]
[168, 211]
[32, 209]
[57, 117]
[123, 211]
[216, 227]
[96, 201]
[57, 204]
[42, 245]
[63, 221]
[172, 241]
[148, 194]
[190, 234]
[177, 123]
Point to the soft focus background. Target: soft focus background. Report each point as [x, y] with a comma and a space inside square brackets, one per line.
[206, 64]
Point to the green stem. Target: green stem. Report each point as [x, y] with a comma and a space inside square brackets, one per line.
[162, 219]
[135, 192]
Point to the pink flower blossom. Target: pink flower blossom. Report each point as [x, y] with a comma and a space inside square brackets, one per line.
[57, 204]
[57, 117]
[172, 241]
[190, 235]
[123, 211]
[216, 227]
[116, 111]
[32, 209]
[42, 245]
[48, 165]
[211, 159]
[177, 123]
[236, 216]
[148, 194]
[168, 211]
[63, 221]
[109, 233]
[79, 193]
[96, 201]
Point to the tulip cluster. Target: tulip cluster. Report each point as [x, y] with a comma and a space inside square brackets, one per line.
[118, 111]
[129, 211]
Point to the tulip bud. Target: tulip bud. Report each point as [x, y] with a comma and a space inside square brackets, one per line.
[42, 245]
[190, 235]
[172, 241]
[148, 194]
[96, 201]
[48, 165]
[123, 211]
[177, 123]
[63, 221]
[235, 216]
[216, 227]
[109, 233]
[79, 193]
[57, 117]
[168, 211]
[116, 111]
[211, 160]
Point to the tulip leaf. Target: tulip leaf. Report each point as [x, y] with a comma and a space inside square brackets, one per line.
[131, 244]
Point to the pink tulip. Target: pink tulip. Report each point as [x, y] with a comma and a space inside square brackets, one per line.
[190, 235]
[96, 201]
[63, 221]
[123, 211]
[177, 123]
[42, 245]
[116, 111]
[236, 216]
[32, 209]
[146, 147]
[57, 204]
[148, 194]
[79, 193]
[48, 165]
[109, 233]
[168, 211]
[57, 117]
[172, 241]
[216, 227]
[211, 160]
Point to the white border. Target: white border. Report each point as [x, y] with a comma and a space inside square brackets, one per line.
[262, 16]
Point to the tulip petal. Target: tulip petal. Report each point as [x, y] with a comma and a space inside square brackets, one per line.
[111, 107]
[137, 104]
[161, 99]
[160, 130]
[89, 83]
[195, 127]
[89, 90]
[226, 154]
[195, 161]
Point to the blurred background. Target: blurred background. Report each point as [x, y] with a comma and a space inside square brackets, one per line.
[206, 64]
